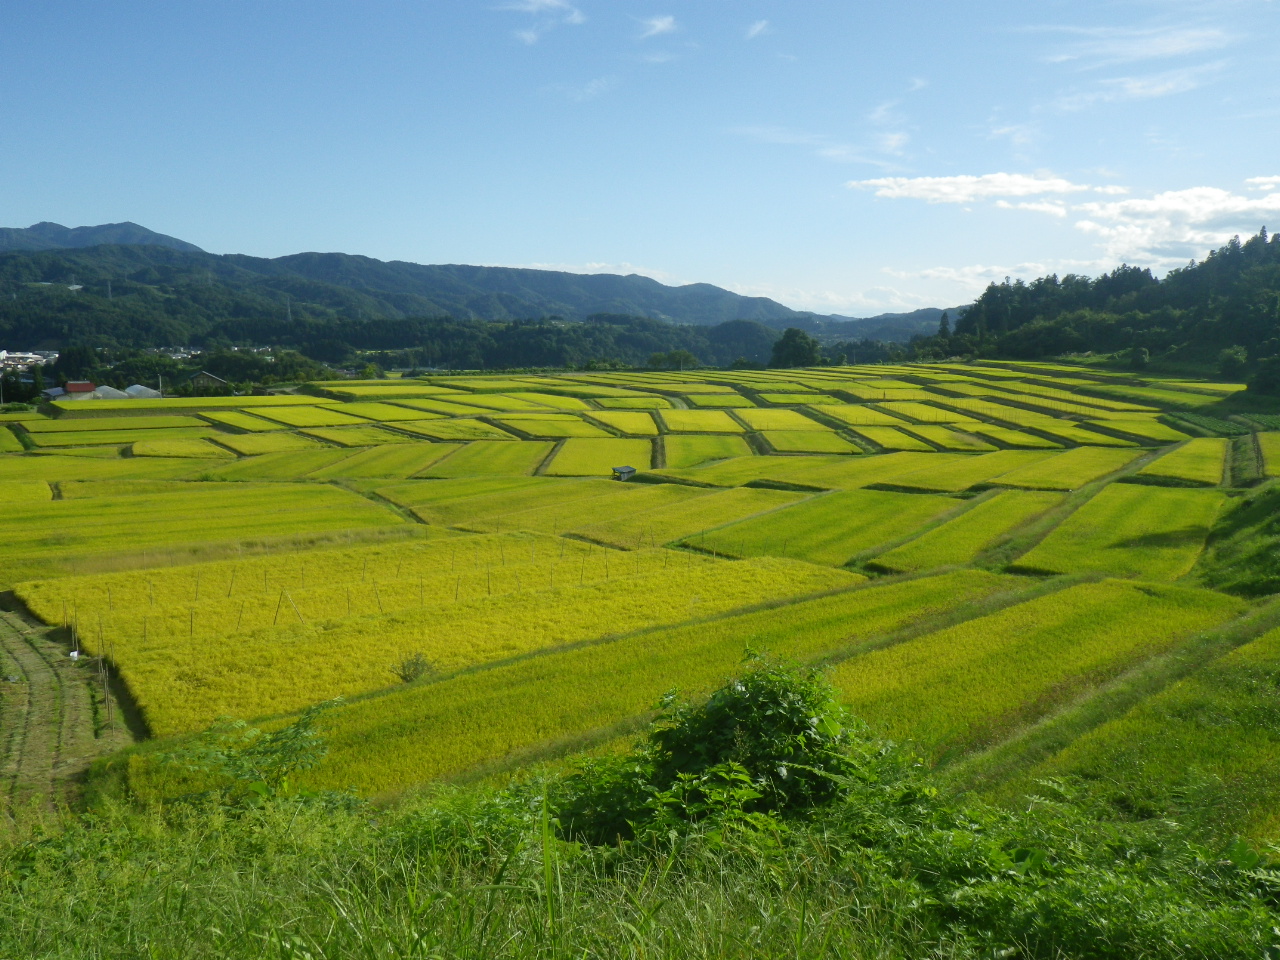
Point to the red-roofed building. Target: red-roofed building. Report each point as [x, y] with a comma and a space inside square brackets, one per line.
[78, 390]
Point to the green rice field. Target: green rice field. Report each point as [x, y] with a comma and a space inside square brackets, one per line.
[1198, 462]
[588, 457]
[689, 451]
[1133, 530]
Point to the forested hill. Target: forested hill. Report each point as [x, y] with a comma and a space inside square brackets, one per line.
[153, 295]
[1231, 299]
[54, 236]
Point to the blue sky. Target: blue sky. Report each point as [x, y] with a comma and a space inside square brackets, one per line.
[842, 157]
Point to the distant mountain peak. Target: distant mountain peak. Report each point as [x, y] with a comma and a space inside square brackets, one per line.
[54, 236]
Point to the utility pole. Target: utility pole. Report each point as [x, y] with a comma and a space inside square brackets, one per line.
[160, 378]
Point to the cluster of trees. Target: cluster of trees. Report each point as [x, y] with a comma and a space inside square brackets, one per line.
[120, 368]
[1222, 311]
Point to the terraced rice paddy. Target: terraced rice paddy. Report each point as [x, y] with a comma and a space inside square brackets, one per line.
[808, 441]
[961, 540]
[699, 421]
[1069, 470]
[480, 531]
[829, 529]
[1198, 462]
[989, 676]
[1269, 445]
[1155, 533]
[891, 438]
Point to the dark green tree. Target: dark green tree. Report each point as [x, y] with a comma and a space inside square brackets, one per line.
[1232, 362]
[796, 349]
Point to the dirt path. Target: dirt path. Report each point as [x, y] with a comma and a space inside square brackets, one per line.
[53, 721]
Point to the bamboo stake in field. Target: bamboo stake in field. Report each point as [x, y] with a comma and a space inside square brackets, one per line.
[151, 592]
[488, 577]
[376, 595]
[348, 601]
[232, 584]
[144, 628]
[276, 618]
[457, 587]
[299, 612]
[191, 624]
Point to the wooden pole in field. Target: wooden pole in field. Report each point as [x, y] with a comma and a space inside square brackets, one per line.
[241, 617]
[456, 588]
[348, 601]
[297, 611]
[232, 584]
[378, 596]
[151, 592]
[276, 618]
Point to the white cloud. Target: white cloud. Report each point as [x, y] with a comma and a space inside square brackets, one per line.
[1170, 227]
[757, 29]
[657, 26]
[1149, 87]
[1263, 183]
[966, 188]
[822, 146]
[1105, 46]
[1039, 206]
[550, 13]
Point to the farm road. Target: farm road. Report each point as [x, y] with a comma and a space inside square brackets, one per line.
[48, 732]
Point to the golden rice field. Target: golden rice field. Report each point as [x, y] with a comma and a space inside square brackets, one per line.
[940, 533]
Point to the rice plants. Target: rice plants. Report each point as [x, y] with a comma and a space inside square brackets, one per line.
[861, 415]
[1064, 430]
[389, 389]
[241, 421]
[386, 412]
[419, 733]
[891, 438]
[84, 438]
[632, 529]
[800, 399]
[359, 436]
[1206, 748]
[93, 408]
[1069, 470]
[924, 412]
[45, 538]
[949, 439]
[1152, 430]
[646, 402]
[766, 419]
[482, 458]
[57, 465]
[442, 406]
[558, 429]
[719, 400]
[826, 473]
[112, 424]
[689, 451]
[828, 529]
[1156, 395]
[990, 675]
[189, 663]
[1014, 438]
[552, 400]
[310, 416]
[396, 461]
[253, 444]
[964, 473]
[504, 402]
[571, 510]
[589, 457]
[293, 465]
[808, 441]
[12, 491]
[1130, 530]
[635, 423]
[1197, 463]
[455, 430]
[960, 540]
[1269, 444]
[181, 447]
[699, 421]
[8, 442]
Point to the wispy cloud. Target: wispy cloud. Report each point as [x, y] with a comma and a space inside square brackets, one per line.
[966, 188]
[657, 26]
[757, 29]
[822, 146]
[591, 90]
[1096, 47]
[548, 13]
[1038, 206]
[1148, 87]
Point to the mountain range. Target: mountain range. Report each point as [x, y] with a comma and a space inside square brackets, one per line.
[121, 259]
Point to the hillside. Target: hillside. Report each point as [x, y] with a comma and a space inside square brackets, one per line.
[978, 660]
[54, 236]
